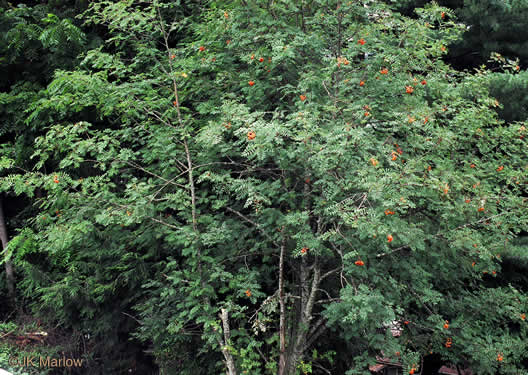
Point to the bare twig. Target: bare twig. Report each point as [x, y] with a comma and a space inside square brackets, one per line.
[253, 223]
[392, 251]
[130, 316]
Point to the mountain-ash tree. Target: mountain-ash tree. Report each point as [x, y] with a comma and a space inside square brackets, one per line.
[270, 187]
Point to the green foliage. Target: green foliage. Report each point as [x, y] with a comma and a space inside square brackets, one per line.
[37, 39]
[169, 188]
[492, 28]
[512, 92]
[496, 26]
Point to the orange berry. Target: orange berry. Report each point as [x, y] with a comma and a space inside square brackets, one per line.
[384, 71]
[251, 135]
[480, 209]
[251, 83]
[261, 59]
[303, 97]
[361, 41]
[500, 168]
[248, 293]
[389, 238]
[359, 263]
[443, 48]
[406, 322]
[175, 103]
[373, 161]
[304, 250]
[367, 114]
[523, 316]
[226, 15]
[252, 57]
[472, 165]
[442, 14]
[228, 41]
[173, 57]
[500, 357]
[412, 371]
[409, 89]
[473, 264]
[202, 48]
[424, 82]
[446, 324]
[467, 200]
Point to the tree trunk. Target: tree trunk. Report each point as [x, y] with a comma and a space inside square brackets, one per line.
[309, 279]
[308, 295]
[10, 273]
[229, 360]
[282, 323]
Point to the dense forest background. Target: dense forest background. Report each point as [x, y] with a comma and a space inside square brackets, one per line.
[264, 187]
